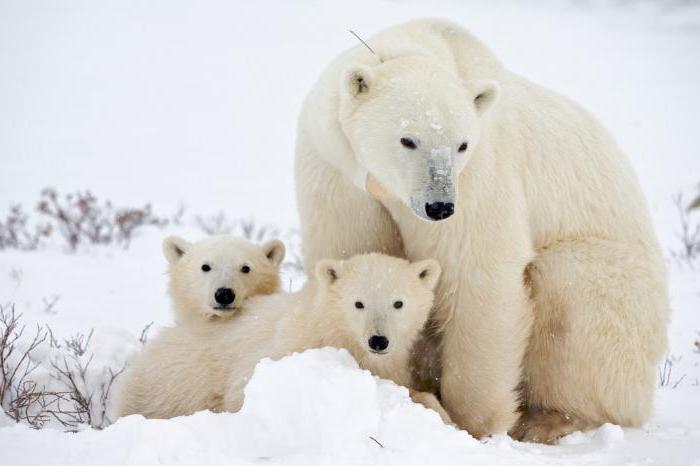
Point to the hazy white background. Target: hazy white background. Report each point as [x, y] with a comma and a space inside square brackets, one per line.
[195, 103]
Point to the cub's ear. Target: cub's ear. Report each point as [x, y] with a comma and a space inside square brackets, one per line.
[327, 271]
[486, 93]
[174, 248]
[358, 80]
[428, 272]
[274, 250]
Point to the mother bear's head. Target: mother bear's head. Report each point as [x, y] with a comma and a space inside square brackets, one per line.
[413, 124]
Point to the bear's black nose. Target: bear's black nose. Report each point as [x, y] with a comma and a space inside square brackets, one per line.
[378, 343]
[224, 296]
[439, 210]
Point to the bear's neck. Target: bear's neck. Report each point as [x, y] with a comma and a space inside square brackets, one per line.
[200, 317]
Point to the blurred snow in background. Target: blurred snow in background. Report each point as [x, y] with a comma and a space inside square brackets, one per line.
[194, 104]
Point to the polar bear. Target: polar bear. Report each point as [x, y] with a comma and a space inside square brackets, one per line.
[552, 307]
[373, 305]
[209, 279]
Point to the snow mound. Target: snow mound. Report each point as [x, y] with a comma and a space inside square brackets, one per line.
[323, 396]
[316, 407]
[320, 404]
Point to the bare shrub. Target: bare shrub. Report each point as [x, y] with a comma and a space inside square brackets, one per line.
[77, 216]
[15, 232]
[128, 220]
[216, 224]
[293, 260]
[253, 232]
[89, 406]
[666, 371]
[87, 403]
[82, 396]
[221, 224]
[50, 304]
[16, 275]
[690, 230]
[177, 218]
[80, 218]
[78, 343]
[17, 392]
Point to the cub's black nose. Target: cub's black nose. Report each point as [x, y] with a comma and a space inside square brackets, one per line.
[224, 296]
[378, 343]
[439, 210]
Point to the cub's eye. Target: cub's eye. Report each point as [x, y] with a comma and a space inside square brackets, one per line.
[398, 304]
[245, 269]
[359, 305]
[408, 143]
[206, 268]
[462, 147]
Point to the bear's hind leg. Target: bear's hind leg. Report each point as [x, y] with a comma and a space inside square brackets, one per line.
[599, 330]
[546, 426]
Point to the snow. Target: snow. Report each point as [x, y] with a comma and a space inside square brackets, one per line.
[171, 103]
[316, 407]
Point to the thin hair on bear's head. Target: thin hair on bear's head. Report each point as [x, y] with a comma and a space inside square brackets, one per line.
[381, 60]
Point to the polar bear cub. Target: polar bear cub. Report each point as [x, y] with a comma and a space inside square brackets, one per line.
[209, 282]
[373, 305]
[211, 278]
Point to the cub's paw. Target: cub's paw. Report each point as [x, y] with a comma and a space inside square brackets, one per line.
[430, 401]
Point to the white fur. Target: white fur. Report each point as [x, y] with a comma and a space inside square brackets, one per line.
[197, 317]
[195, 367]
[193, 290]
[553, 280]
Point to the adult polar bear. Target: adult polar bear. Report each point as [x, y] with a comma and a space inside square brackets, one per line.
[554, 290]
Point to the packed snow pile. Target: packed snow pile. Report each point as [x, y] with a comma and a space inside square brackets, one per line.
[317, 407]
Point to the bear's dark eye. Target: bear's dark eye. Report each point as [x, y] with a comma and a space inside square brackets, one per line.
[462, 147]
[398, 304]
[408, 143]
[359, 305]
[245, 269]
[206, 268]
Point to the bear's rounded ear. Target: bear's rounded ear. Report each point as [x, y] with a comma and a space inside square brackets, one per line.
[358, 80]
[486, 93]
[274, 250]
[174, 248]
[428, 272]
[327, 271]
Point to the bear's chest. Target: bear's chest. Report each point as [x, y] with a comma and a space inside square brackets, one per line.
[445, 241]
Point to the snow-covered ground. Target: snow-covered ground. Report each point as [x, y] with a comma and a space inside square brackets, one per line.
[194, 103]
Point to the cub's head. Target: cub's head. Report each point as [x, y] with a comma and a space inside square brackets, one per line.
[382, 301]
[214, 276]
[413, 125]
